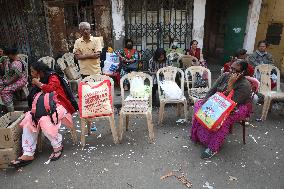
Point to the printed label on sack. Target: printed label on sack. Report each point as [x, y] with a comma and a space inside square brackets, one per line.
[95, 99]
[212, 109]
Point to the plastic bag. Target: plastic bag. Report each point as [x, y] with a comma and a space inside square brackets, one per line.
[111, 63]
[110, 67]
[137, 87]
[171, 90]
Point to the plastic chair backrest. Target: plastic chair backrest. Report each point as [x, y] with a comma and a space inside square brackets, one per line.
[169, 73]
[263, 74]
[48, 61]
[193, 70]
[130, 76]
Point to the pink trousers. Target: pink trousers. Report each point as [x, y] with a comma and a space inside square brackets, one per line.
[50, 130]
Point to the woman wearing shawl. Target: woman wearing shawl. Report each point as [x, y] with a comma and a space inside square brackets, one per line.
[234, 80]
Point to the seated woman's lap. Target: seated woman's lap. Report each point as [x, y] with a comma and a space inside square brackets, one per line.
[214, 140]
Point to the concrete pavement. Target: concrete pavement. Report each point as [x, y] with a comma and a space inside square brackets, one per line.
[137, 164]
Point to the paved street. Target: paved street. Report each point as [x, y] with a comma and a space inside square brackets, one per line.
[137, 164]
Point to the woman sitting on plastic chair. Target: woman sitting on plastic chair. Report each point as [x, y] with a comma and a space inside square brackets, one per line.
[46, 81]
[234, 80]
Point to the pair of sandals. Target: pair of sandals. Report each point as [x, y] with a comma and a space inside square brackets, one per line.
[21, 163]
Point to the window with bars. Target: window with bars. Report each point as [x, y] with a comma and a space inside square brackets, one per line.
[79, 11]
[274, 33]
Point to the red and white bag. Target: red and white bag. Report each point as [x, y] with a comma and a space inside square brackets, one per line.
[215, 110]
[95, 99]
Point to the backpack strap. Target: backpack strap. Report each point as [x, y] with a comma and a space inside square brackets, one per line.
[34, 102]
[46, 102]
[47, 108]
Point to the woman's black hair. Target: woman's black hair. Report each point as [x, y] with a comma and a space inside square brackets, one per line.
[244, 66]
[40, 66]
[262, 41]
[127, 41]
[158, 53]
[191, 42]
[10, 51]
[240, 52]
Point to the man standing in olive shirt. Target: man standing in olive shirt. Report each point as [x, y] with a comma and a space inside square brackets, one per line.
[87, 51]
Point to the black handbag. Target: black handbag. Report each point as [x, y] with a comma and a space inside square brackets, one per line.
[199, 81]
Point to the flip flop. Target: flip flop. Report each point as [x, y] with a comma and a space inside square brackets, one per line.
[21, 163]
[56, 158]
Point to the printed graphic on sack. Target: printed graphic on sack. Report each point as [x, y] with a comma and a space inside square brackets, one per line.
[111, 63]
[113, 68]
[112, 57]
[95, 99]
[214, 111]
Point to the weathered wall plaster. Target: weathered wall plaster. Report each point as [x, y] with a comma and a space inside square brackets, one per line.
[118, 22]
[252, 23]
[198, 21]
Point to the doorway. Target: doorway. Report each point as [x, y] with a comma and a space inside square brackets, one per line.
[224, 28]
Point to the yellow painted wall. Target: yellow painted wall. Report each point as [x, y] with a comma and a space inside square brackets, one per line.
[272, 11]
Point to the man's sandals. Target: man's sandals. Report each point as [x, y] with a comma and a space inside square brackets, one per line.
[56, 155]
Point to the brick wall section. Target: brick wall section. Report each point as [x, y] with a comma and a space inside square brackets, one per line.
[54, 12]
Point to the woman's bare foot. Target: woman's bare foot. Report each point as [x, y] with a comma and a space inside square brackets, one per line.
[23, 157]
[21, 161]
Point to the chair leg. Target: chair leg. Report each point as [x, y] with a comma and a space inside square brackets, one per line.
[83, 132]
[120, 127]
[150, 127]
[162, 112]
[185, 111]
[89, 123]
[127, 122]
[73, 135]
[265, 109]
[113, 129]
[178, 109]
[231, 128]
[39, 141]
[243, 123]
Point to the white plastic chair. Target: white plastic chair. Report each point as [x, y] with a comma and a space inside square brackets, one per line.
[169, 74]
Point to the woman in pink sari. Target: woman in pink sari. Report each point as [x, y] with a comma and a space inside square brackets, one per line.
[234, 80]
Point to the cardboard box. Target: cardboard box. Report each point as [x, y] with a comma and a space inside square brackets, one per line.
[10, 131]
[7, 155]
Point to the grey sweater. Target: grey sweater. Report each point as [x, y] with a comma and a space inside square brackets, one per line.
[258, 58]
